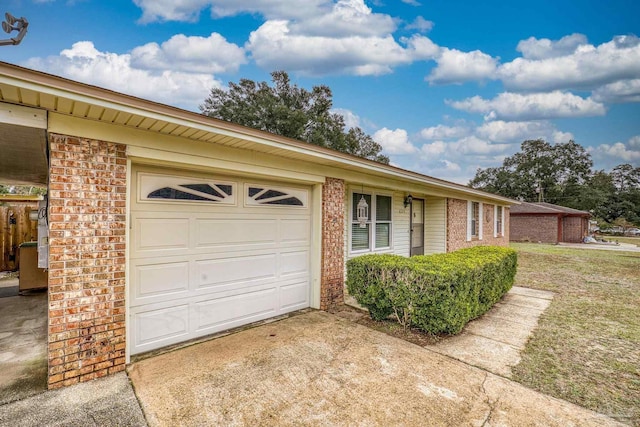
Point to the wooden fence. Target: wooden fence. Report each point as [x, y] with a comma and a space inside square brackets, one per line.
[15, 228]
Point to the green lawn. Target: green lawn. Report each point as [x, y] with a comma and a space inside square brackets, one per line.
[632, 240]
[586, 348]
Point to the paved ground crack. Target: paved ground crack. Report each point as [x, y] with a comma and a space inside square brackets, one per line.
[490, 404]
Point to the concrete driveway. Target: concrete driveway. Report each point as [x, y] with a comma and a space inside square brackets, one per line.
[319, 369]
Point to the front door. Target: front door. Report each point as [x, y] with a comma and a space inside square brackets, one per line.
[417, 227]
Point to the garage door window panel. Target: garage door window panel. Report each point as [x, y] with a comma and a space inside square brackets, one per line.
[269, 196]
[177, 189]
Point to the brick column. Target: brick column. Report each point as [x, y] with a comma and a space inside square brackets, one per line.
[457, 225]
[87, 214]
[333, 211]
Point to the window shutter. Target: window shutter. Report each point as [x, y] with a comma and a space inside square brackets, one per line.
[480, 221]
[469, 218]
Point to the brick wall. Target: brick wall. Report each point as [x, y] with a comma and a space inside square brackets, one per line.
[87, 192]
[457, 226]
[333, 222]
[534, 228]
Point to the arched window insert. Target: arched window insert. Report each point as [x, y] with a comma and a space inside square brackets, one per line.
[262, 195]
[220, 193]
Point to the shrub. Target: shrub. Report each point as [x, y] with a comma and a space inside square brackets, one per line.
[436, 293]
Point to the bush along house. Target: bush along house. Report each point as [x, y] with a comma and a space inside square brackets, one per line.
[165, 225]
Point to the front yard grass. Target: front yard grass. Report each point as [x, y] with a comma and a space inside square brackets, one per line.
[586, 348]
[626, 239]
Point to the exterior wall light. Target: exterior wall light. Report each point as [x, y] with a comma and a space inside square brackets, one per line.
[408, 200]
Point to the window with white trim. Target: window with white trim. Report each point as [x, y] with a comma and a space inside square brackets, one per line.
[498, 230]
[474, 220]
[375, 232]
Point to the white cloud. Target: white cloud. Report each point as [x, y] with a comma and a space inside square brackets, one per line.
[471, 147]
[618, 151]
[421, 48]
[534, 48]
[451, 166]
[394, 141]
[587, 67]
[434, 148]
[420, 24]
[346, 18]
[189, 10]
[458, 160]
[411, 2]
[559, 137]
[501, 131]
[169, 10]
[273, 46]
[87, 64]
[209, 55]
[463, 147]
[270, 9]
[444, 132]
[351, 119]
[455, 66]
[475, 145]
[618, 92]
[608, 156]
[515, 106]
[315, 37]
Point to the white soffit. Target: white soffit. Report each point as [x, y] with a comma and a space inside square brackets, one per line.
[23, 116]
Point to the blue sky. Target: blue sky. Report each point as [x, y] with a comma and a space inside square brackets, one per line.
[445, 87]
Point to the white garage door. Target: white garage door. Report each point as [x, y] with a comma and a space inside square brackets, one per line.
[209, 254]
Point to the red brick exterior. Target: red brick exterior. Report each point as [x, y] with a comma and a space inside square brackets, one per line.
[87, 213]
[534, 228]
[332, 275]
[550, 228]
[457, 226]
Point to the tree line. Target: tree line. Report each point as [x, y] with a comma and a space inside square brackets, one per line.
[563, 174]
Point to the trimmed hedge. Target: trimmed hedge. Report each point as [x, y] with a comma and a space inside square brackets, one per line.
[436, 293]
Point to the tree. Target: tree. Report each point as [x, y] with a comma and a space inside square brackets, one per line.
[539, 171]
[291, 111]
[562, 174]
[625, 200]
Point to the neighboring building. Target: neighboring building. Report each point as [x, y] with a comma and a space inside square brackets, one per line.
[166, 225]
[547, 223]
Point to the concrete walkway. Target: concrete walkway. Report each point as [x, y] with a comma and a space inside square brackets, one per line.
[107, 402]
[23, 344]
[319, 369]
[494, 341]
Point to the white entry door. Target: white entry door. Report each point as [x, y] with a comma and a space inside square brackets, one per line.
[211, 253]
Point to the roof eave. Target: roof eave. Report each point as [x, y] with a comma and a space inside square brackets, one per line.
[59, 86]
